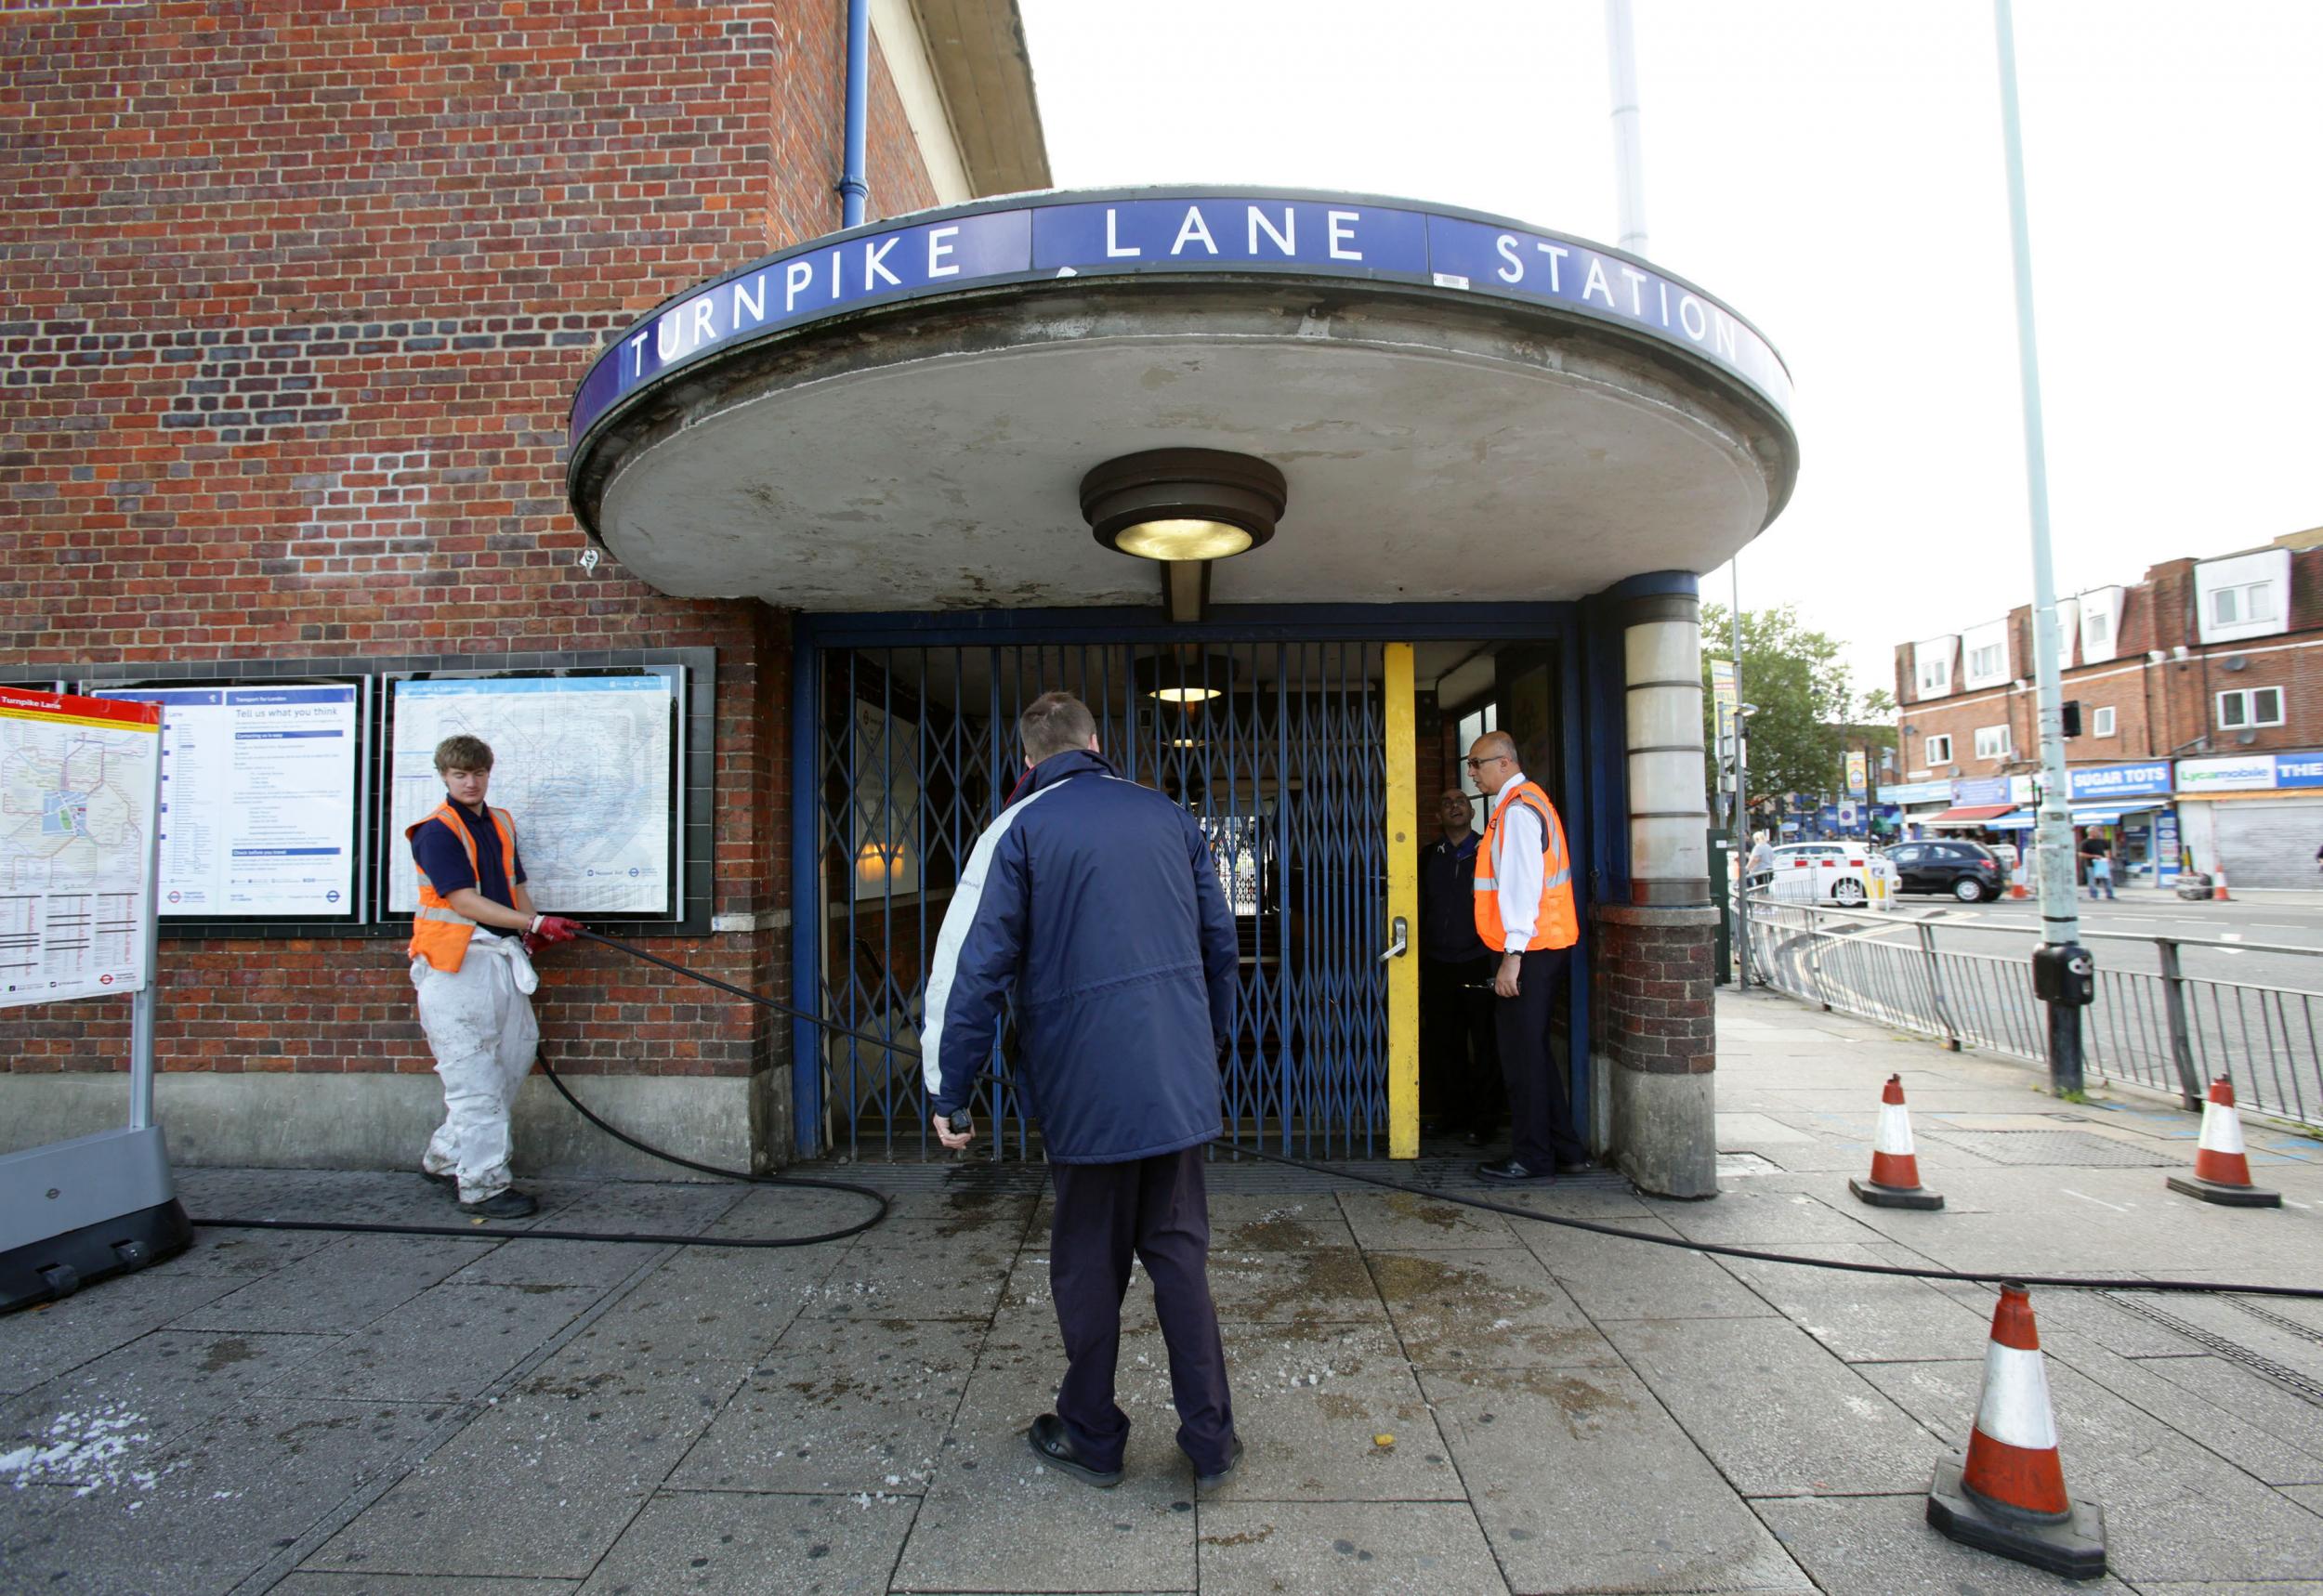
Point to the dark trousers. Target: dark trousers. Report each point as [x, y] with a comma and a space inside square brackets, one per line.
[1541, 1119]
[1157, 1210]
[1460, 1064]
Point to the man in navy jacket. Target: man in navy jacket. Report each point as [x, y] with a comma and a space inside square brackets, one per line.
[1092, 903]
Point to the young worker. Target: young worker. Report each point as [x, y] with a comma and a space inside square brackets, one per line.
[471, 941]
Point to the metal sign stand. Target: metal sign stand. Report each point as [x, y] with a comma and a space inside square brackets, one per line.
[75, 1212]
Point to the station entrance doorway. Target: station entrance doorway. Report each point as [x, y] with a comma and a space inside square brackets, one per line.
[1313, 764]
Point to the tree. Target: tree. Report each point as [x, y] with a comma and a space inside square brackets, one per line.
[1803, 694]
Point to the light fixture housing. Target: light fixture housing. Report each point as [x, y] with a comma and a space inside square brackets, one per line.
[1182, 504]
[1189, 680]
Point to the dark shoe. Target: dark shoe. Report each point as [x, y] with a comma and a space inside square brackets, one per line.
[509, 1204]
[1233, 1461]
[1575, 1166]
[1052, 1446]
[451, 1183]
[1510, 1169]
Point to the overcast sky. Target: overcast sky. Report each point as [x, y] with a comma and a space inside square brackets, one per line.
[1832, 168]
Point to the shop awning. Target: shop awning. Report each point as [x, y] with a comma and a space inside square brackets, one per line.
[1968, 814]
[2020, 820]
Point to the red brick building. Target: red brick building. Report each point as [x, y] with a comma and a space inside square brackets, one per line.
[2202, 661]
[295, 301]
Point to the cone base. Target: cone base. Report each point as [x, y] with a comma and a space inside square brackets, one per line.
[2231, 1196]
[1895, 1196]
[2075, 1547]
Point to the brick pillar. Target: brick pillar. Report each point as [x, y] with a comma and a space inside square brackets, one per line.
[1653, 954]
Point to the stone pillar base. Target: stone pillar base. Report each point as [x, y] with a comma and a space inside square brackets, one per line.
[1656, 1033]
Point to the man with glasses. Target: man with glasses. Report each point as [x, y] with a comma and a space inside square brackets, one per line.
[1524, 912]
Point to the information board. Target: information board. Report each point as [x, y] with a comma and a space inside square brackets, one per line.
[77, 783]
[584, 765]
[260, 799]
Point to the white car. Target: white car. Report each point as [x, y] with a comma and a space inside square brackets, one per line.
[1850, 874]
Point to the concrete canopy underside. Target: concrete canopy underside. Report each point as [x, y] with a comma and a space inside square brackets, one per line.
[928, 456]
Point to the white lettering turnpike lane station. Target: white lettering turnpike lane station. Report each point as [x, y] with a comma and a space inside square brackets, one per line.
[1301, 492]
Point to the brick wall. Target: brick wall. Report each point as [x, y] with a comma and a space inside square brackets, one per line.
[1652, 996]
[293, 301]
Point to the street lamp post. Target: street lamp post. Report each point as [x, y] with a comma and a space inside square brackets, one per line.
[2062, 972]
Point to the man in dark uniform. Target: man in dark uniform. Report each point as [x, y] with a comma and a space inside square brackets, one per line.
[1460, 1068]
[1094, 904]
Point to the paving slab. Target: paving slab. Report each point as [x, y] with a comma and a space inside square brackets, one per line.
[995, 1519]
[1581, 1481]
[1882, 1546]
[1328, 1286]
[38, 1344]
[920, 1276]
[1346, 1548]
[1613, 1278]
[1492, 1308]
[1409, 1222]
[448, 1342]
[213, 1506]
[337, 1289]
[2174, 1509]
[1311, 1402]
[540, 1485]
[850, 1406]
[1774, 1410]
[750, 1545]
[1756, 1216]
[314, 1582]
[110, 1414]
[1867, 1318]
[2253, 1401]
[1253, 1222]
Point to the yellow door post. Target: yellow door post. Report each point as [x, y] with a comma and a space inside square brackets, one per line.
[1403, 905]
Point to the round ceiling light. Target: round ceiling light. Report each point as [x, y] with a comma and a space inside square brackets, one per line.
[1176, 504]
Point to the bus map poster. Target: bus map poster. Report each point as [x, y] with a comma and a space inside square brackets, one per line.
[259, 799]
[78, 778]
[582, 764]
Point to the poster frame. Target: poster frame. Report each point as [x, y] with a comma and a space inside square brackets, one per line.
[359, 909]
[674, 672]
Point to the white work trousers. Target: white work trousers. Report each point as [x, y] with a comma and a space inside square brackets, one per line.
[478, 1020]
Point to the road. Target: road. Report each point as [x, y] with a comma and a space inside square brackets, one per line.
[2245, 975]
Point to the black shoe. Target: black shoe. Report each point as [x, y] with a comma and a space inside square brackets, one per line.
[449, 1180]
[508, 1204]
[1575, 1166]
[1233, 1461]
[1052, 1446]
[1510, 1169]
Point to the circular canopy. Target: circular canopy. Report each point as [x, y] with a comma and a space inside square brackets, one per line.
[900, 417]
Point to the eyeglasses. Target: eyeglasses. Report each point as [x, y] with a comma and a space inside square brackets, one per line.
[1487, 759]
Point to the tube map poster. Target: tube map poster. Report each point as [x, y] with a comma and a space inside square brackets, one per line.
[77, 784]
[582, 764]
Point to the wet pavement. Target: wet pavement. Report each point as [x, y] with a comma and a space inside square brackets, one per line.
[1434, 1399]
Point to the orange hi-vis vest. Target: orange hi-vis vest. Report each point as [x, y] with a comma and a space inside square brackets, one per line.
[440, 933]
[1556, 925]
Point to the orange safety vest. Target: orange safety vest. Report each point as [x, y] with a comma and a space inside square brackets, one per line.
[1555, 926]
[440, 933]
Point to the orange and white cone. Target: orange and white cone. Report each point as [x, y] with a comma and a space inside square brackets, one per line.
[2218, 887]
[2222, 1170]
[1895, 1181]
[2007, 1494]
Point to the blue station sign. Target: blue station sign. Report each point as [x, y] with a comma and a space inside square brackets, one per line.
[1065, 236]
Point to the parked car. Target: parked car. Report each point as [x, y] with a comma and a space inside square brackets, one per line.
[1970, 871]
[1850, 874]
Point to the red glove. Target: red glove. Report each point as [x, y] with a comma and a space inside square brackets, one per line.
[549, 930]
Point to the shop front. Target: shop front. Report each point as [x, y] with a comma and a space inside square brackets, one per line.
[2256, 819]
[1290, 487]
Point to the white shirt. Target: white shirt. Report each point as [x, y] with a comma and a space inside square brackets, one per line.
[1516, 865]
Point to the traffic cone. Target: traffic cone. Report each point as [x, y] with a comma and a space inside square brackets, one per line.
[2218, 887]
[2222, 1170]
[1895, 1181]
[2007, 1493]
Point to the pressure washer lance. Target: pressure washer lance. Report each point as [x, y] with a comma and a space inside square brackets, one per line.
[959, 1121]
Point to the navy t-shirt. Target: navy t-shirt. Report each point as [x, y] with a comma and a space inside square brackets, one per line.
[438, 852]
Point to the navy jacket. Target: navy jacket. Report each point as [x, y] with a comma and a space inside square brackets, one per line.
[1448, 901]
[1091, 902]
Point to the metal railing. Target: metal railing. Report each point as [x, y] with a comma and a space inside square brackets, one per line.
[2163, 1028]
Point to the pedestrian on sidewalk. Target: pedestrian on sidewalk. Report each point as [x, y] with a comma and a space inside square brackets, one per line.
[2098, 853]
[1092, 902]
[1524, 912]
[472, 938]
[1460, 1067]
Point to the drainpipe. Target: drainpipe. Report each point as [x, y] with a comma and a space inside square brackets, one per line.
[853, 191]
